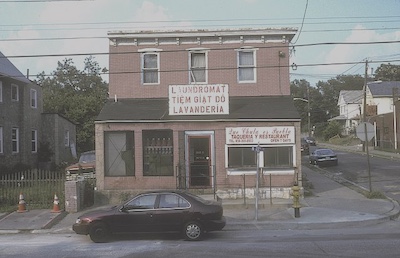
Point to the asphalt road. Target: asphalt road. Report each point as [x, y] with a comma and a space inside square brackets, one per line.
[385, 173]
[381, 240]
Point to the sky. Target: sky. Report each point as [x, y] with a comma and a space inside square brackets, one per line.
[36, 34]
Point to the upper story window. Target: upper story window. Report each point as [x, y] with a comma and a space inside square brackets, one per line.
[14, 92]
[198, 66]
[66, 138]
[33, 98]
[1, 91]
[150, 64]
[15, 140]
[246, 62]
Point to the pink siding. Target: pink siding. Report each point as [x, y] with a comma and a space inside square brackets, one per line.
[125, 77]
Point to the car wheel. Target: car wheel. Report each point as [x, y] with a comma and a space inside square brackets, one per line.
[99, 233]
[193, 231]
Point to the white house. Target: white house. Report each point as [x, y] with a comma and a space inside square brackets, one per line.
[380, 95]
[349, 104]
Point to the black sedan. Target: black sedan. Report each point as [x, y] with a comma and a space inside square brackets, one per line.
[321, 157]
[160, 211]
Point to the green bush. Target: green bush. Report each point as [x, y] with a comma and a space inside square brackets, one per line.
[333, 129]
[375, 195]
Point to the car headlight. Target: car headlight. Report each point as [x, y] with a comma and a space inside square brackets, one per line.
[78, 221]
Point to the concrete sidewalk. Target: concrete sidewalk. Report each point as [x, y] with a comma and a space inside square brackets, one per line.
[332, 205]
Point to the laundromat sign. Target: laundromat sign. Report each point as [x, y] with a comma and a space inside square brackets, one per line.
[208, 99]
[262, 135]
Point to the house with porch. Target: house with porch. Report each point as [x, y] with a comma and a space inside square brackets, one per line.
[200, 110]
[349, 104]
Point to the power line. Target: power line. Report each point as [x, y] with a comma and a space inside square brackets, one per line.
[220, 49]
[302, 23]
[106, 37]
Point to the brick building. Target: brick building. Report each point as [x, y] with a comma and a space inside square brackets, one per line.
[187, 108]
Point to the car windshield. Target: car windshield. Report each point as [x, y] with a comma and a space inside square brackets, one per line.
[87, 157]
[325, 152]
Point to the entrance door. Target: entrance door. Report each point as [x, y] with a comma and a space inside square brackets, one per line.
[199, 161]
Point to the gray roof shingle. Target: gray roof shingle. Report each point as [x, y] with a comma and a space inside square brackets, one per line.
[7, 69]
[383, 88]
[240, 108]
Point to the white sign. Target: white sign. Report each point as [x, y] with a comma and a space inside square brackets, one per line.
[365, 129]
[208, 99]
[262, 135]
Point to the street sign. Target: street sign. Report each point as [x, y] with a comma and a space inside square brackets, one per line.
[360, 131]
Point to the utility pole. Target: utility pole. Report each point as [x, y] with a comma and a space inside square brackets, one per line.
[365, 123]
[395, 98]
[309, 114]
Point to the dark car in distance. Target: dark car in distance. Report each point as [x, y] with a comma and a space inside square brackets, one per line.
[305, 147]
[157, 211]
[321, 157]
[311, 141]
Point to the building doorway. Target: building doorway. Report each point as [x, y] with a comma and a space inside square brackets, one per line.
[199, 160]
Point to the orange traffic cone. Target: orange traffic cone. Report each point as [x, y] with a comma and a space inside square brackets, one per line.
[56, 205]
[21, 204]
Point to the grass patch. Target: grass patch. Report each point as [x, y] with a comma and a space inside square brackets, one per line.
[345, 141]
[375, 195]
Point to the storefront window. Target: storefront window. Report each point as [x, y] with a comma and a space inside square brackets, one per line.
[241, 157]
[278, 157]
[157, 153]
[119, 153]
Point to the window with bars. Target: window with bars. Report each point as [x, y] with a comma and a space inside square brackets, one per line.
[157, 153]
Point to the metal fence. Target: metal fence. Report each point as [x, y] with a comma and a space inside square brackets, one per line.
[38, 188]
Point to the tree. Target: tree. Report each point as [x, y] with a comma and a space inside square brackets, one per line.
[323, 98]
[388, 72]
[77, 95]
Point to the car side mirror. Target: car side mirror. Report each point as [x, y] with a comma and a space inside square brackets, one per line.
[123, 209]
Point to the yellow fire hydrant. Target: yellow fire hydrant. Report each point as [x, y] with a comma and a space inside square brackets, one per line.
[296, 200]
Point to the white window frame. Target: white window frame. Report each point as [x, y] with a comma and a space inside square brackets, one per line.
[34, 141]
[1, 91]
[252, 170]
[198, 51]
[14, 87]
[1, 139]
[33, 98]
[66, 138]
[150, 51]
[254, 65]
[16, 139]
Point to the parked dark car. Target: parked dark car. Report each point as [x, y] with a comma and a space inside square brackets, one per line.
[321, 157]
[311, 141]
[305, 147]
[160, 211]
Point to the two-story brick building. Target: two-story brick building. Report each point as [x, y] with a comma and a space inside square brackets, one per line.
[187, 108]
[23, 126]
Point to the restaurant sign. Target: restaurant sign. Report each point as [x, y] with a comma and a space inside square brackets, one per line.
[207, 99]
[262, 135]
